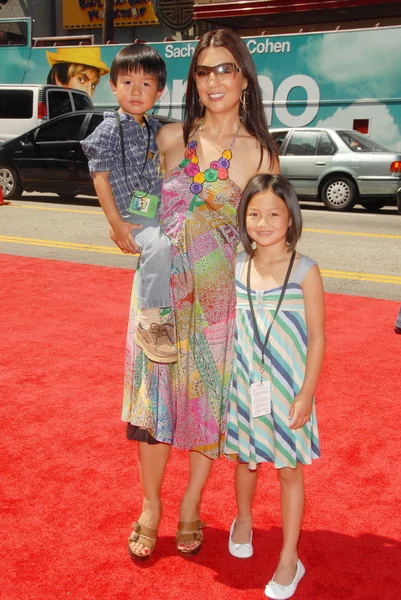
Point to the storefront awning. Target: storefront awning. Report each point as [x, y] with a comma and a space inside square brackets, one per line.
[257, 13]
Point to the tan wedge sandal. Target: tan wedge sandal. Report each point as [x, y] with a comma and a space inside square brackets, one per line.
[189, 532]
[142, 535]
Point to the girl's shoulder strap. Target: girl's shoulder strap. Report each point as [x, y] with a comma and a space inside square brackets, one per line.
[239, 264]
[302, 268]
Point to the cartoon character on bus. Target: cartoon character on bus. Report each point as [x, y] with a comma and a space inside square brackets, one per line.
[76, 67]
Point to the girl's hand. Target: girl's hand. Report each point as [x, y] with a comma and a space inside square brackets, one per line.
[300, 411]
[122, 237]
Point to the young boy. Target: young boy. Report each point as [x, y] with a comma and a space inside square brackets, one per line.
[123, 161]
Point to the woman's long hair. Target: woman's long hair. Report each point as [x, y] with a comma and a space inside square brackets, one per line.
[254, 119]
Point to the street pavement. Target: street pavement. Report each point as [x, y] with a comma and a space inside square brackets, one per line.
[358, 252]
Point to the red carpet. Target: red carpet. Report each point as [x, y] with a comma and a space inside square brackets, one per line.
[69, 477]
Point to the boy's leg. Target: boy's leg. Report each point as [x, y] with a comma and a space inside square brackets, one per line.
[245, 486]
[154, 293]
[155, 266]
[292, 510]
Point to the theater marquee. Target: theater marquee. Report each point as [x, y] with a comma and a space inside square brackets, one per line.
[83, 14]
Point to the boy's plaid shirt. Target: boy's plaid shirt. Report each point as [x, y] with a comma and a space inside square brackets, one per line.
[103, 149]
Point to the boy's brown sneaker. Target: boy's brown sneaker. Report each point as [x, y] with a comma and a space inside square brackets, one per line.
[156, 343]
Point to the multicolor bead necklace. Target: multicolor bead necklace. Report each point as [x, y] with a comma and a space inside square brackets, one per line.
[218, 168]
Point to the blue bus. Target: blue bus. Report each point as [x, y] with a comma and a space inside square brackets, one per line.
[345, 79]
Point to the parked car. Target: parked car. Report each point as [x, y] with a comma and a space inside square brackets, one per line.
[339, 167]
[24, 106]
[49, 158]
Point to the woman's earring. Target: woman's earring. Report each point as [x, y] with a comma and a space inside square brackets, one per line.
[243, 100]
[201, 103]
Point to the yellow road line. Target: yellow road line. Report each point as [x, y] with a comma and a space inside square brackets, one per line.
[62, 245]
[355, 233]
[355, 275]
[57, 209]
[306, 229]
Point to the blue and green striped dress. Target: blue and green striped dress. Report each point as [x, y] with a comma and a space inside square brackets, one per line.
[269, 438]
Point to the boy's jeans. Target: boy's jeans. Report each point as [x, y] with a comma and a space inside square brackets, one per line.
[154, 262]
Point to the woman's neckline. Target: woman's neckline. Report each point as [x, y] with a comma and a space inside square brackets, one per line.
[221, 150]
[182, 170]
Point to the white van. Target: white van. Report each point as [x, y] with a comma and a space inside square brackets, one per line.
[24, 106]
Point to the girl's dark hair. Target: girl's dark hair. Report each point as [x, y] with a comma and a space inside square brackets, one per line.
[254, 119]
[282, 188]
[139, 57]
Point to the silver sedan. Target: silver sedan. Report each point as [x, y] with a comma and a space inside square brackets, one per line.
[339, 167]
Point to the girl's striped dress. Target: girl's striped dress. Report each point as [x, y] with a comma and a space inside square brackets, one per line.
[269, 438]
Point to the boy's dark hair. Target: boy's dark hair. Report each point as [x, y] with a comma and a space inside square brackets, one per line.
[139, 57]
[282, 188]
[254, 118]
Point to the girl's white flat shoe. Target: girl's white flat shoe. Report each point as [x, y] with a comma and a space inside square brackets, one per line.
[281, 592]
[239, 550]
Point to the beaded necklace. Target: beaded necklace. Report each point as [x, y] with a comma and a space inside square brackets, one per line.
[218, 169]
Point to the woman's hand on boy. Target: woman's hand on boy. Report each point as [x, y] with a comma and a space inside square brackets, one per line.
[301, 410]
[121, 235]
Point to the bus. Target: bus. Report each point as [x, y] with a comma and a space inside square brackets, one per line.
[343, 78]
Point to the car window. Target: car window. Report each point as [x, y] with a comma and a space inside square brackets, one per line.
[61, 130]
[94, 122]
[326, 146]
[279, 137]
[357, 142]
[81, 101]
[303, 143]
[59, 103]
[16, 104]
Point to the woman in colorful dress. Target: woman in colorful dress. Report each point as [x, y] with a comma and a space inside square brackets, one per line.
[208, 160]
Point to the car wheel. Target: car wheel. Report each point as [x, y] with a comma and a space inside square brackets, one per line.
[376, 204]
[10, 183]
[339, 193]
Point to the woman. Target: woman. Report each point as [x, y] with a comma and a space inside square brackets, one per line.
[185, 404]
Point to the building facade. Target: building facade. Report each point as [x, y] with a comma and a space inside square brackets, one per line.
[83, 17]
[256, 17]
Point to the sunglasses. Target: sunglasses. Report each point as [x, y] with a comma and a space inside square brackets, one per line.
[221, 72]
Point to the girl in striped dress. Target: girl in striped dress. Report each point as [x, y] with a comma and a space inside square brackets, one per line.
[279, 348]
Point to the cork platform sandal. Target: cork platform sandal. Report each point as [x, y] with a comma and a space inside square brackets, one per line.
[142, 535]
[189, 532]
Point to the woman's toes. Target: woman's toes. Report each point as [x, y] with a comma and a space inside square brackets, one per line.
[139, 549]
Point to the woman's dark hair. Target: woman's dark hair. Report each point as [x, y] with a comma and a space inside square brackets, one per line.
[282, 188]
[139, 57]
[254, 119]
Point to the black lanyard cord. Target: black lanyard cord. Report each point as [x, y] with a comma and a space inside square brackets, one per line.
[255, 325]
[120, 128]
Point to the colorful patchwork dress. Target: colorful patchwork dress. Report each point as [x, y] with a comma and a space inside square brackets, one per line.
[269, 438]
[185, 404]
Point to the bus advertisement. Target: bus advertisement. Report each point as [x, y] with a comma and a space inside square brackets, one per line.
[344, 79]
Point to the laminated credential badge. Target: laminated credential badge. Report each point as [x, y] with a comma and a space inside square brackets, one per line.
[261, 398]
[144, 204]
